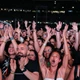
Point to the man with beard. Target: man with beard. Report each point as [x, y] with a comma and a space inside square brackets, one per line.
[23, 68]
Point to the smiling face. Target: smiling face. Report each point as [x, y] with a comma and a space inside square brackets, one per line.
[11, 50]
[55, 59]
[22, 50]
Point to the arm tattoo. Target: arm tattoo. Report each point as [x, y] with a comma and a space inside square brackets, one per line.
[42, 60]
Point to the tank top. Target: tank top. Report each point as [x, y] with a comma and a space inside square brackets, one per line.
[53, 79]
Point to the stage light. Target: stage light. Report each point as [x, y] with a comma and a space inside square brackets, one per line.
[72, 6]
[70, 10]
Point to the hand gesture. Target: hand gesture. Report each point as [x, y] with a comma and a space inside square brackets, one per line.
[18, 23]
[48, 30]
[6, 35]
[59, 25]
[65, 29]
[26, 23]
[75, 26]
[13, 65]
[33, 24]
[10, 30]
[1, 25]
[22, 63]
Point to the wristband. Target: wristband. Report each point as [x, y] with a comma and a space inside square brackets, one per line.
[23, 70]
[57, 30]
[11, 38]
[12, 72]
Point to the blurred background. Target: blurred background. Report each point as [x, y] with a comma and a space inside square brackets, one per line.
[42, 11]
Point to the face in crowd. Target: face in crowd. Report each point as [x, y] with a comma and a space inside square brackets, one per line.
[47, 51]
[22, 50]
[55, 58]
[32, 55]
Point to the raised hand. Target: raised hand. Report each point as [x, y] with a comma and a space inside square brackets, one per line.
[26, 23]
[75, 26]
[1, 25]
[18, 23]
[22, 63]
[65, 29]
[33, 24]
[10, 30]
[6, 35]
[59, 26]
[13, 65]
[49, 32]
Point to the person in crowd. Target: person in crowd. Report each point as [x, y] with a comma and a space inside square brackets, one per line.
[7, 50]
[55, 71]
[75, 71]
[24, 69]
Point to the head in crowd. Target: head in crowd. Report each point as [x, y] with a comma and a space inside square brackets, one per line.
[22, 50]
[33, 55]
[15, 36]
[31, 42]
[53, 40]
[24, 34]
[40, 41]
[48, 49]
[9, 48]
[30, 47]
[55, 58]
[26, 42]
[44, 36]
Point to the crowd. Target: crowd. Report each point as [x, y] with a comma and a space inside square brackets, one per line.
[52, 53]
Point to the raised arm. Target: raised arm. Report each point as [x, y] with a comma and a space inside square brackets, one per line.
[66, 49]
[58, 27]
[12, 38]
[2, 47]
[36, 45]
[75, 28]
[40, 54]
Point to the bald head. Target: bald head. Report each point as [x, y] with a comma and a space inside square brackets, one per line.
[22, 49]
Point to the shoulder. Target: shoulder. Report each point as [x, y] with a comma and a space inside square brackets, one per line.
[32, 66]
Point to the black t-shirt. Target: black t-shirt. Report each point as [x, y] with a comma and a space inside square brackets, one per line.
[5, 67]
[32, 66]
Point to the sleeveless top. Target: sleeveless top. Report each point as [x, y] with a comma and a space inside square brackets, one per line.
[53, 79]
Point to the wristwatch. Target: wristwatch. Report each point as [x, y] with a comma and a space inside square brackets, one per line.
[23, 70]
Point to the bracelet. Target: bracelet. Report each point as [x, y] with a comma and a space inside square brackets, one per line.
[4, 41]
[11, 38]
[12, 72]
[23, 70]
[34, 30]
[57, 30]
[44, 44]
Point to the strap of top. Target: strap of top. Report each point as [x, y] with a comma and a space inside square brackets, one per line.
[75, 71]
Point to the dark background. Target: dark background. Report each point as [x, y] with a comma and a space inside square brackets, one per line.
[39, 6]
